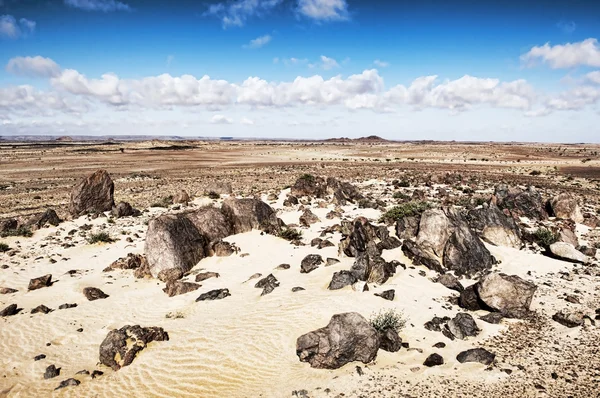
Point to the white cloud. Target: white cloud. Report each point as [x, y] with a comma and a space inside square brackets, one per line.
[259, 42]
[28, 101]
[33, 66]
[247, 122]
[11, 29]
[381, 64]
[593, 77]
[568, 55]
[324, 10]
[237, 12]
[221, 119]
[329, 63]
[98, 5]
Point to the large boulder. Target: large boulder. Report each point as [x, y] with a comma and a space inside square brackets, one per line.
[462, 326]
[220, 187]
[480, 355]
[247, 214]
[408, 227]
[37, 221]
[508, 294]
[94, 194]
[434, 231]
[495, 227]
[124, 209]
[465, 254]
[120, 346]
[566, 207]
[421, 257]
[172, 241]
[309, 185]
[348, 337]
[211, 223]
[343, 192]
[566, 251]
[341, 279]
[520, 203]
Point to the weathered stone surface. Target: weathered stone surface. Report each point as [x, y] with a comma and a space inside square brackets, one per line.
[520, 203]
[308, 218]
[41, 309]
[170, 275]
[121, 346]
[387, 295]
[71, 382]
[408, 227]
[341, 279]
[248, 214]
[469, 299]
[216, 294]
[175, 288]
[566, 251]
[268, 284]
[434, 360]
[434, 231]
[49, 217]
[8, 224]
[462, 326]
[508, 294]
[206, 275]
[480, 355]
[565, 206]
[93, 293]
[308, 185]
[450, 282]
[389, 340]
[7, 290]
[51, 372]
[568, 319]
[222, 248]
[495, 227]
[331, 261]
[124, 209]
[40, 282]
[492, 317]
[172, 241]
[93, 194]
[10, 310]
[211, 223]
[343, 192]
[181, 197]
[310, 263]
[421, 257]
[135, 262]
[348, 337]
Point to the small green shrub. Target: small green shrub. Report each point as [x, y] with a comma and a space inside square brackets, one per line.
[545, 237]
[100, 237]
[164, 202]
[405, 210]
[4, 247]
[535, 173]
[290, 234]
[175, 315]
[307, 177]
[388, 319]
[403, 184]
[20, 231]
[400, 195]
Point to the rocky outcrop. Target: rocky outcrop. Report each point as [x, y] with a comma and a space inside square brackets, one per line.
[408, 227]
[508, 294]
[566, 207]
[93, 194]
[433, 360]
[520, 203]
[566, 251]
[343, 192]
[247, 214]
[211, 223]
[172, 241]
[308, 185]
[348, 337]
[492, 225]
[120, 346]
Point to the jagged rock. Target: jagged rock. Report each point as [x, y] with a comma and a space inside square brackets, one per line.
[389, 340]
[297, 289]
[290, 201]
[387, 295]
[566, 207]
[434, 360]
[450, 282]
[341, 279]
[492, 317]
[495, 227]
[331, 261]
[181, 197]
[39, 357]
[7, 290]
[66, 306]
[308, 185]
[41, 220]
[343, 192]
[268, 284]
[9, 311]
[469, 299]
[248, 214]
[170, 275]
[68, 383]
[421, 257]
[211, 223]
[206, 275]
[308, 217]
[310, 263]
[120, 346]
[436, 323]
[566, 251]
[172, 241]
[93, 194]
[480, 355]
[568, 319]
[508, 294]
[51, 372]
[216, 294]
[8, 224]
[348, 337]
[41, 308]
[325, 243]
[40, 282]
[315, 242]
[520, 203]
[176, 287]
[462, 326]
[408, 227]
[124, 209]
[434, 231]
[132, 261]
[93, 293]
[283, 267]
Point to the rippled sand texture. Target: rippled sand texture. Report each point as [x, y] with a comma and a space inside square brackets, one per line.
[241, 346]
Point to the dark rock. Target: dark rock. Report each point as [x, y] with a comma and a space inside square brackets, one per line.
[433, 360]
[307, 218]
[97, 373]
[421, 257]
[68, 383]
[268, 284]
[11, 310]
[462, 326]
[202, 276]
[135, 262]
[283, 267]
[450, 282]
[348, 337]
[480, 355]
[49, 217]
[39, 357]
[389, 340]
[440, 345]
[172, 241]
[315, 242]
[492, 317]
[520, 203]
[93, 194]
[83, 372]
[568, 319]
[212, 223]
[297, 289]
[308, 185]
[170, 275]
[408, 227]
[325, 243]
[508, 294]
[8, 224]
[248, 214]
[341, 279]
[310, 263]
[175, 288]
[51, 372]
[343, 192]
[223, 249]
[120, 346]
[495, 227]
[124, 209]
[436, 323]
[40, 282]
[7, 290]
[469, 299]
[41, 308]
[93, 293]
[66, 306]
[216, 294]
[331, 261]
[388, 294]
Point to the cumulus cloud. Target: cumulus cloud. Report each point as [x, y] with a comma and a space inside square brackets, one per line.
[259, 42]
[324, 10]
[586, 53]
[33, 67]
[381, 64]
[28, 101]
[221, 119]
[11, 29]
[593, 77]
[237, 12]
[98, 5]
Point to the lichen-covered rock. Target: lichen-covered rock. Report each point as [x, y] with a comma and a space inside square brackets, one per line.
[495, 227]
[508, 294]
[565, 206]
[93, 194]
[248, 214]
[211, 223]
[121, 346]
[37, 221]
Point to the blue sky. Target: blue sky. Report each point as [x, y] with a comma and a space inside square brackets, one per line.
[506, 70]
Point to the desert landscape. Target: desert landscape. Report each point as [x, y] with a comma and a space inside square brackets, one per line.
[337, 268]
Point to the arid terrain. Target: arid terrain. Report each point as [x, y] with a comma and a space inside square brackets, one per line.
[234, 256]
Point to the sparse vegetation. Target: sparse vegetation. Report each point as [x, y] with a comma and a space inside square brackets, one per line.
[213, 195]
[307, 177]
[535, 173]
[545, 237]
[388, 319]
[175, 315]
[405, 210]
[400, 195]
[100, 237]
[20, 231]
[403, 184]
[4, 247]
[164, 202]
[290, 234]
